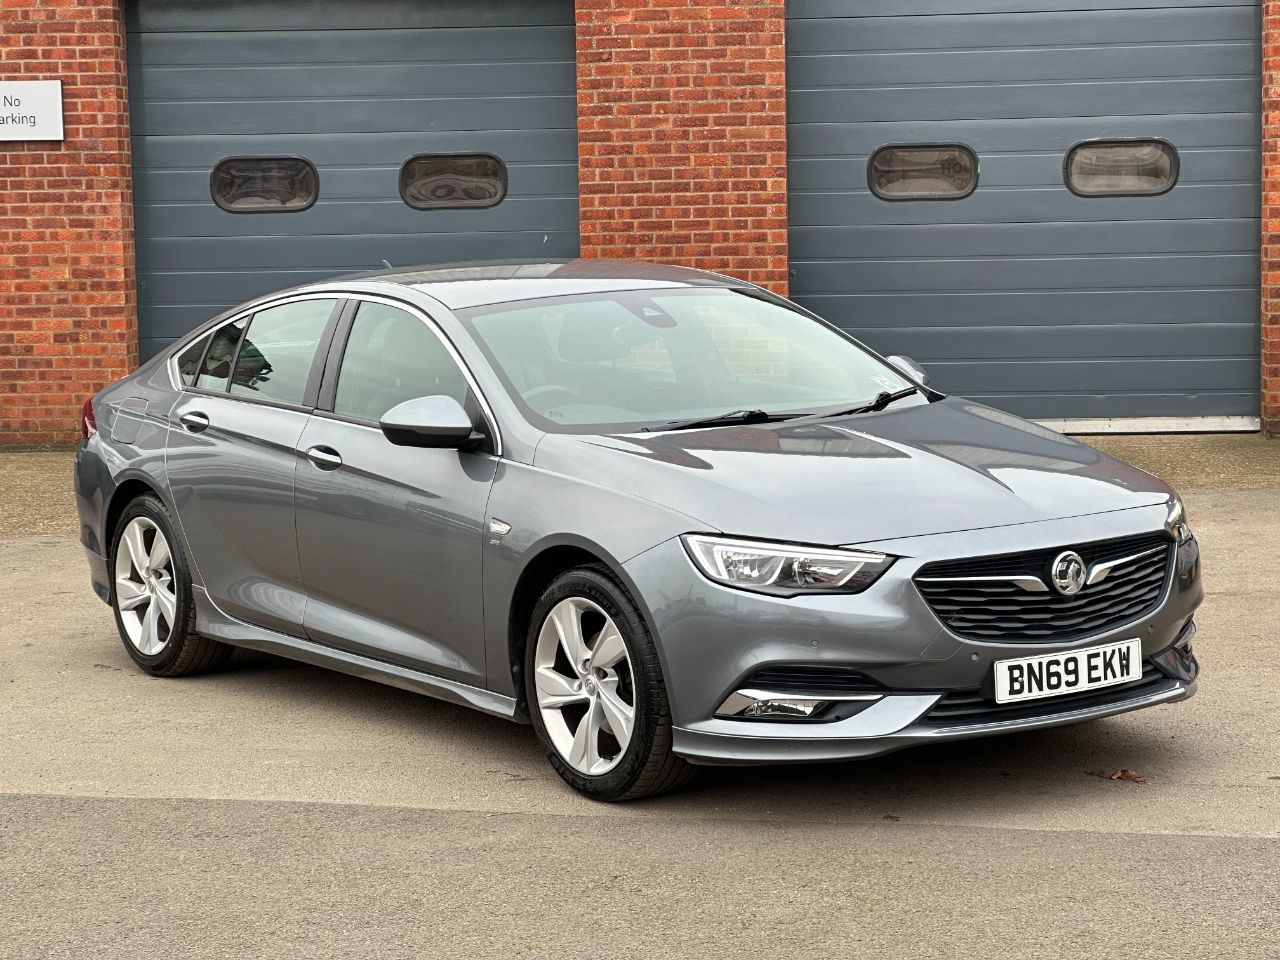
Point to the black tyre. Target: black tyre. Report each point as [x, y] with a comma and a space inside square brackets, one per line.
[151, 595]
[595, 690]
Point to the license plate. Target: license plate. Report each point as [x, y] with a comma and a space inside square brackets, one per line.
[1053, 674]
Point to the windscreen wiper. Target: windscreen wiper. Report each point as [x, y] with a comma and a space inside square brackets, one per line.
[882, 400]
[721, 420]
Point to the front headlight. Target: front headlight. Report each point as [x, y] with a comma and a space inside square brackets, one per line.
[1176, 523]
[783, 569]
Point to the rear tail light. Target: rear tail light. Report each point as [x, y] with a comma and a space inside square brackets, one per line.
[88, 425]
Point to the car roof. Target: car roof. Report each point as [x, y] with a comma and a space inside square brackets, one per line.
[462, 285]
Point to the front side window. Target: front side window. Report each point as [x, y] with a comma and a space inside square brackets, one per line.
[274, 361]
[393, 356]
[264, 184]
[445, 181]
[1121, 168]
[923, 172]
[626, 360]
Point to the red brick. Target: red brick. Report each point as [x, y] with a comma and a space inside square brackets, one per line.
[1271, 216]
[673, 150]
[67, 302]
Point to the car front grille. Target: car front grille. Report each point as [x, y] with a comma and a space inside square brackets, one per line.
[986, 598]
[962, 708]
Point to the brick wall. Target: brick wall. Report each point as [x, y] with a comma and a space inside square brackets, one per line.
[1271, 216]
[67, 312]
[682, 145]
[682, 141]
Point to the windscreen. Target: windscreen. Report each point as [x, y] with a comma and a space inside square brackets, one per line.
[623, 361]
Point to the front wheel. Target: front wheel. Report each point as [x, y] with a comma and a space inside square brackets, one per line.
[595, 690]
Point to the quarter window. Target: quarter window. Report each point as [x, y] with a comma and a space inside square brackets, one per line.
[1121, 168]
[189, 360]
[274, 361]
[443, 181]
[393, 356]
[923, 172]
[215, 371]
[264, 184]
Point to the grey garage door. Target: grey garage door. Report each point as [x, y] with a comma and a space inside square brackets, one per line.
[1023, 294]
[357, 89]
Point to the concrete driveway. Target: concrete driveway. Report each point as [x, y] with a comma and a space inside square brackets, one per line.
[275, 810]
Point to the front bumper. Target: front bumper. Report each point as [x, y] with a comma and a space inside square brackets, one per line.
[711, 638]
[891, 724]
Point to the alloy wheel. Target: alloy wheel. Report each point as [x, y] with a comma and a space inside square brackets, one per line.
[585, 686]
[146, 593]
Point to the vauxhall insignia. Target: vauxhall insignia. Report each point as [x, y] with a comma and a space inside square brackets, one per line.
[1068, 573]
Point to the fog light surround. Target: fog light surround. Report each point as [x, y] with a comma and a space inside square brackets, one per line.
[1179, 660]
[752, 704]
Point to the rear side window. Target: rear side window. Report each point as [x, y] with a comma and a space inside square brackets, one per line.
[189, 360]
[1121, 168]
[444, 181]
[393, 356]
[275, 359]
[215, 371]
[946, 171]
[264, 184]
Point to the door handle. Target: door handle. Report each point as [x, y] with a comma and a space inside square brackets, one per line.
[195, 421]
[326, 458]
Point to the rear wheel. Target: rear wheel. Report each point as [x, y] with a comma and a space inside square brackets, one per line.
[151, 595]
[596, 693]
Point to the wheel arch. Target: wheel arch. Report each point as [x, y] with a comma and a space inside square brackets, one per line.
[126, 491]
[546, 562]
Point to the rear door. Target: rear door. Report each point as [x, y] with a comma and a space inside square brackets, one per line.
[390, 537]
[231, 457]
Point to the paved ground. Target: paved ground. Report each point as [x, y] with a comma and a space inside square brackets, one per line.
[279, 811]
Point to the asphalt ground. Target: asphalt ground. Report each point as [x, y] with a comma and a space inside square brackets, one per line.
[277, 810]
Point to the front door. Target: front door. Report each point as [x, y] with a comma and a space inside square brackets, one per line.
[230, 459]
[390, 537]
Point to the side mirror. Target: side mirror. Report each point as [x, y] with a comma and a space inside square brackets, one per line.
[428, 422]
[910, 368]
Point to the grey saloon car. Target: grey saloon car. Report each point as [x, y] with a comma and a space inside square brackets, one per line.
[665, 516]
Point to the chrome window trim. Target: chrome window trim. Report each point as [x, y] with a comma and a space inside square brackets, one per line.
[431, 324]
[171, 363]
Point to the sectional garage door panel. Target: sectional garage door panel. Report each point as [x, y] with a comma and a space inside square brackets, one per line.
[1023, 294]
[356, 89]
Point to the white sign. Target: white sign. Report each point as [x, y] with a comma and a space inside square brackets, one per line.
[31, 110]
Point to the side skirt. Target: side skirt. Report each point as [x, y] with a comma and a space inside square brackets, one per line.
[213, 623]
